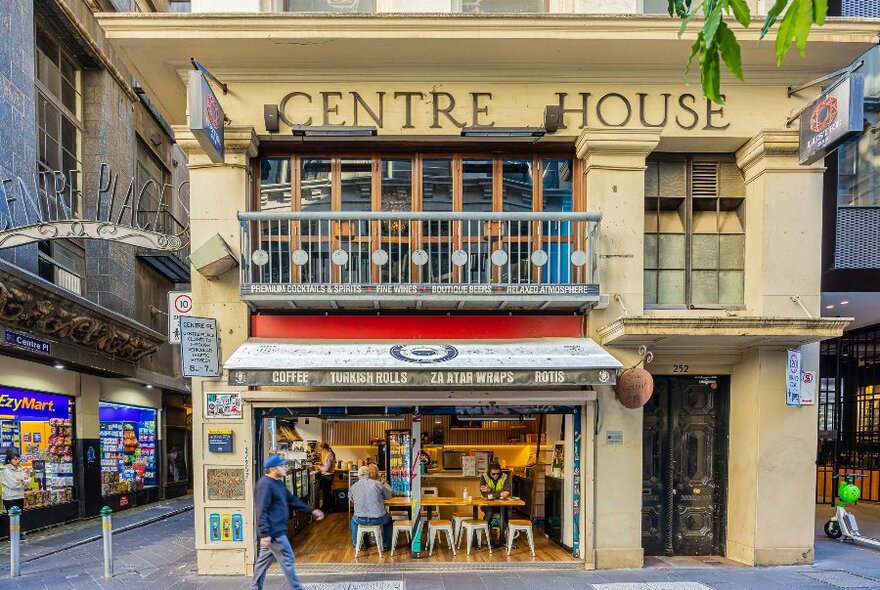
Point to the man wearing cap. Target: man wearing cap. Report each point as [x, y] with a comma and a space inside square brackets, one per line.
[273, 505]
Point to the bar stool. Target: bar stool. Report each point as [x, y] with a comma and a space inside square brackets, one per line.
[435, 527]
[457, 519]
[365, 529]
[396, 527]
[514, 527]
[472, 528]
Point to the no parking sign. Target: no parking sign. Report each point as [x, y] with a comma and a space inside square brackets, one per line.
[179, 304]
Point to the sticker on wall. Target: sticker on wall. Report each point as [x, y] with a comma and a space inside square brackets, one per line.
[214, 524]
[237, 527]
[222, 405]
[220, 441]
[226, 527]
[225, 484]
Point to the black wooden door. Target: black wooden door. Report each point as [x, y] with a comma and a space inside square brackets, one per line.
[684, 467]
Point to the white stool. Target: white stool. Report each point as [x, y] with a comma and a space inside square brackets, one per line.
[457, 519]
[517, 526]
[396, 527]
[364, 529]
[473, 528]
[435, 527]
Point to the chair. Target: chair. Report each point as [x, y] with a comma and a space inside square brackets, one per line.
[365, 529]
[472, 528]
[457, 519]
[435, 527]
[396, 527]
[514, 527]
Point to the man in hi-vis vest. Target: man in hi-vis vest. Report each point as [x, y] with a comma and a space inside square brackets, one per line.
[494, 485]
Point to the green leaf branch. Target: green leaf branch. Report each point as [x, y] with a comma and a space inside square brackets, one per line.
[717, 43]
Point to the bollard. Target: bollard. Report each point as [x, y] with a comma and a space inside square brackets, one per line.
[14, 542]
[107, 529]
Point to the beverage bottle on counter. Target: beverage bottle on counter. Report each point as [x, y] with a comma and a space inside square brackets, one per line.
[465, 495]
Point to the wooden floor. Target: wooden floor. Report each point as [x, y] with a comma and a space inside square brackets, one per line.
[329, 541]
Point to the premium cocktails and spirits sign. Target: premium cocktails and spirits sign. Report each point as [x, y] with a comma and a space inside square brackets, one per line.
[52, 205]
[834, 117]
[588, 290]
[206, 117]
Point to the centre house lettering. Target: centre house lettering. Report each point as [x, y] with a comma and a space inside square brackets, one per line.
[440, 109]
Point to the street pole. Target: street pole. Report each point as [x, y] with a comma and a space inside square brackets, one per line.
[107, 529]
[14, 542]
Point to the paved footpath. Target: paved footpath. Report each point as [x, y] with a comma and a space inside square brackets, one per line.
[160, 556]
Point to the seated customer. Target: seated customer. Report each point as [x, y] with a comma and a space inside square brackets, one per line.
[494, 485]
[368, 496]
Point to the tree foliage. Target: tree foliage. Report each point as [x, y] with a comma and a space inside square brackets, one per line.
[717, 42]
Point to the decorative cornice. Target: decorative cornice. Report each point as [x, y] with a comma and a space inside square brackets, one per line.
[239, 140]
[770, 143]
[807, 328]
[415, 25]
[620, 142]
[29, 303]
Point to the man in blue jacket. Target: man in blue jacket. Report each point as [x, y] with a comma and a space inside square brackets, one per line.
[273, 505]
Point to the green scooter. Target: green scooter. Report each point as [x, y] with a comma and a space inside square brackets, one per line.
[843, 523]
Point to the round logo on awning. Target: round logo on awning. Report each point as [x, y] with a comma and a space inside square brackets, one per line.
[424, 354]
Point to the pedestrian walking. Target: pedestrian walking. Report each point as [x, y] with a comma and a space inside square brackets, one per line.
[273, 505]
[14, 480]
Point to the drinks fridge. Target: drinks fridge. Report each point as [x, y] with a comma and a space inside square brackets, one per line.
[399, 461]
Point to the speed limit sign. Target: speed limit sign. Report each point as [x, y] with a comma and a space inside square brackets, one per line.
[179, 304]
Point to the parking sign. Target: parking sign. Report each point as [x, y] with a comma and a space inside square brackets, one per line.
[179, 304]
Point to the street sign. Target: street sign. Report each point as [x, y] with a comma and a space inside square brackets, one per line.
[206, 116]
[831, 119]
[220, 441]
[808, 388]
[793, 378]
[199, 347]
[180, 303]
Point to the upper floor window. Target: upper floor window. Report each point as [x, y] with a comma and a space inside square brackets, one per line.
[445, 248]
[858, 179]
[694, 232]
[59, 145]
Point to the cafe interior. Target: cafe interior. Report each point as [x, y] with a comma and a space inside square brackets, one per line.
[438, 456]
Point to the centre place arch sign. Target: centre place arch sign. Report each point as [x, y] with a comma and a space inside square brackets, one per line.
[53, 205]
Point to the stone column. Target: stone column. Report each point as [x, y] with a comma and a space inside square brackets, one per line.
[772, 471]
[217, 193]
[615, 184]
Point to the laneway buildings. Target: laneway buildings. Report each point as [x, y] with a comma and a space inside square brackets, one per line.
[416, 249]
[84, 362]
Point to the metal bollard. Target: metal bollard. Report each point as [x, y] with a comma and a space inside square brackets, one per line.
[14, 542]
[107, 530]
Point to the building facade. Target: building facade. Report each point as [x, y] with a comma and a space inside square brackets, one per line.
[849, 422]
[85, 361]
[420, 240]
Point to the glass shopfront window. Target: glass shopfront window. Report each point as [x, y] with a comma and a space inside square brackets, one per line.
[128, 448]
[37, 426]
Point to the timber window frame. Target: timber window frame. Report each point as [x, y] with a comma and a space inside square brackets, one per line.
[694, 236]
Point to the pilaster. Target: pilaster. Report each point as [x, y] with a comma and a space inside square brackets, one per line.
[615, 184]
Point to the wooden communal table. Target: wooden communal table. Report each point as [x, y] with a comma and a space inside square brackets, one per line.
[504, 505]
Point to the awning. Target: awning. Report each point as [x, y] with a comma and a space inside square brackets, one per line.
[545, 362]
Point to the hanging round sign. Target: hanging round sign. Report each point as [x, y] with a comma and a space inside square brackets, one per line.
[634, 388]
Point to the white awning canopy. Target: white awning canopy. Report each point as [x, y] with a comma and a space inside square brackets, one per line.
[545, 362]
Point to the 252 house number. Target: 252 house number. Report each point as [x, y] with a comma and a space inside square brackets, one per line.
[680, 368]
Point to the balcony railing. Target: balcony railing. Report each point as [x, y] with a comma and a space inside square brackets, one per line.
[419, 258]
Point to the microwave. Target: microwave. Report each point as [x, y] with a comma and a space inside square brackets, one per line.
[452, 459]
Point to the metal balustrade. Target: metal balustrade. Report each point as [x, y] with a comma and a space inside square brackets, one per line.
[498, 253]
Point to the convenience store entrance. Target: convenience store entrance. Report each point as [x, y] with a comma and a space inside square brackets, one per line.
[438, 455]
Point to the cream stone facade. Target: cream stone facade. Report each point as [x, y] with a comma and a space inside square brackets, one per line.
[419, 80]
